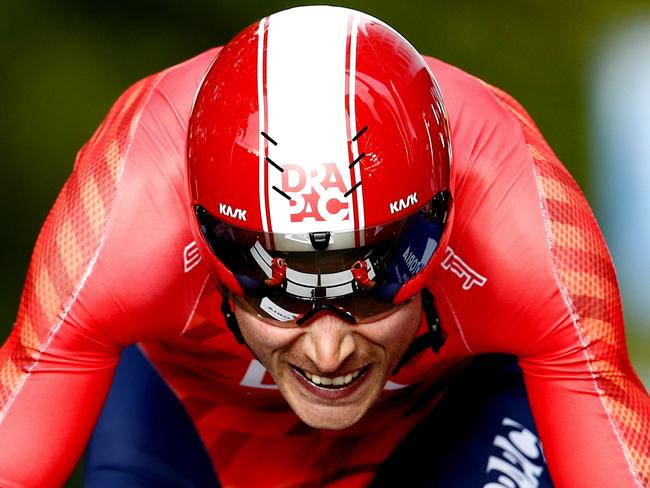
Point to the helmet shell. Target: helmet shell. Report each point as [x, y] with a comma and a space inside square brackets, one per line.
[317, 119]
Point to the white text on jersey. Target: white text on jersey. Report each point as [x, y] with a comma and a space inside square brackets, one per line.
[191, 256]
[520, 461]
[460, 268]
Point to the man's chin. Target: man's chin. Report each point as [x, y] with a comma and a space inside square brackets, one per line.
[329, 417]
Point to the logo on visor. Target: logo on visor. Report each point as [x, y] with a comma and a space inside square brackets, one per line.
[315, 195]
[413, 264]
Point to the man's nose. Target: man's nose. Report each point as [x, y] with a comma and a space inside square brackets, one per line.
[328, 342]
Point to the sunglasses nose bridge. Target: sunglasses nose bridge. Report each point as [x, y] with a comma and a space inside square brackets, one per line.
[319, 306]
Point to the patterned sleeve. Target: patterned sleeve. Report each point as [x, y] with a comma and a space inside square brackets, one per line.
[591, 409]
[54, 371]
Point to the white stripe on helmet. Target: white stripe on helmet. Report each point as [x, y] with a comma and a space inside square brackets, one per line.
[353, 120]
[305, 100]
[261, 121]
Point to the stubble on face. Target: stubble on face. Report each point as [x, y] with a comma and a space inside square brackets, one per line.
[333, 351]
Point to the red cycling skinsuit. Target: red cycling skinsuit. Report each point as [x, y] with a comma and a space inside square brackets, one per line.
[525, 272]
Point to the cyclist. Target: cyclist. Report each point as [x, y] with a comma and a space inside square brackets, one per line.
[337, 260]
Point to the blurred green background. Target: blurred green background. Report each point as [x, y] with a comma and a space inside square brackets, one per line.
[65, 62]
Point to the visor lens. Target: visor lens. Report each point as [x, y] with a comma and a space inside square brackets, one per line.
[284, 276]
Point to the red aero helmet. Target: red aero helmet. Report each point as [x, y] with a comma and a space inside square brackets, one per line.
[319, 166]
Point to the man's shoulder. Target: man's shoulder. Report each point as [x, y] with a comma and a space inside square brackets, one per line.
[126, 209]
[489, 127]
[474, 98]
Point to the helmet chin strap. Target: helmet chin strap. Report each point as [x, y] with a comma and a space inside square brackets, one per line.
[231, 318]
[434, 338]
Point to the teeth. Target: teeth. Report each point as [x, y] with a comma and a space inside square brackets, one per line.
[337, 381]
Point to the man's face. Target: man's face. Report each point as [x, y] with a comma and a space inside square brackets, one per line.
[331, 372]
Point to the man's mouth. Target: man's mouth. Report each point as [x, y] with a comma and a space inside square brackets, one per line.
[332, 382]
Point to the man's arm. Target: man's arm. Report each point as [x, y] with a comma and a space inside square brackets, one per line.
[528, 273]
[108, 270]
[54, 370]
[592, 411]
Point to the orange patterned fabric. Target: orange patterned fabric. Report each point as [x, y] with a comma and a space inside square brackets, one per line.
[585, 272]
[68, 242]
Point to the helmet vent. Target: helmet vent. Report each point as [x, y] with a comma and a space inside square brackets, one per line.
[352, 189]
[274, 164]
[268, 138]
[359, 158]
[281, 192]
[360, 133]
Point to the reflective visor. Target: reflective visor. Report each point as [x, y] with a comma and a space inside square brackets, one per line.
[286, 277]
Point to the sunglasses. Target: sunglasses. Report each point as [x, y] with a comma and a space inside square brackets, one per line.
[360, 276]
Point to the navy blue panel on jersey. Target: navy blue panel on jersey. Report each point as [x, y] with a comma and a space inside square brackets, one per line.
[482, 434]
[144, 437]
